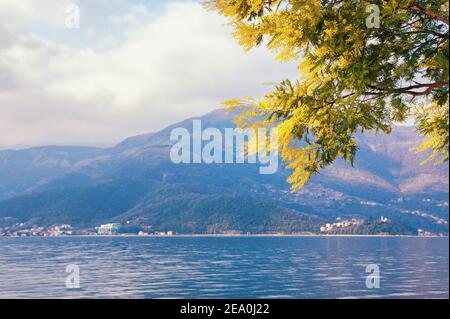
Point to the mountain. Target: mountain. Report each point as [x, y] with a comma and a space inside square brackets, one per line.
[24, 170]
[136, 183]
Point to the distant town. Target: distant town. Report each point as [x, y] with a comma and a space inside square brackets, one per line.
[18, 230]
[339, 227]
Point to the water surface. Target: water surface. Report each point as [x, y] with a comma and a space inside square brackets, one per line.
[224, 267]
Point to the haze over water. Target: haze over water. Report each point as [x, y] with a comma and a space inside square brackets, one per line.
[224, 267]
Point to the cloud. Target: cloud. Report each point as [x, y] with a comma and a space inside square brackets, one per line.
[135, 70]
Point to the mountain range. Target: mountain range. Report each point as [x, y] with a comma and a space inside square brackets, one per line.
[135, 183]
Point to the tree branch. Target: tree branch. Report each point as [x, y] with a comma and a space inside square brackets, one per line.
[409, 89]
[429, 13]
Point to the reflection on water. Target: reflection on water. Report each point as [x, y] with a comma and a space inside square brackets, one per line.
[224, 267]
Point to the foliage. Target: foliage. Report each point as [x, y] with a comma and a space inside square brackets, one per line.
[354, 75]
[374, 227]
[432, 120]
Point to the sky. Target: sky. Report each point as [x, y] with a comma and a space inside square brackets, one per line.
[131, 67]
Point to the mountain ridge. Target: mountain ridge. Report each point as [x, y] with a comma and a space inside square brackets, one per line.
[136, 181]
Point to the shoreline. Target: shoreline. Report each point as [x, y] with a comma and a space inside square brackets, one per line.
[230, 236]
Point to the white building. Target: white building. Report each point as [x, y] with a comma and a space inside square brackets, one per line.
[108, 229]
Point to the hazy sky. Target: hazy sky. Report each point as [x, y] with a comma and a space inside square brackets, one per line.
[132, 67]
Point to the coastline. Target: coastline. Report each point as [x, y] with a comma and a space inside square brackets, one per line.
[230, 236]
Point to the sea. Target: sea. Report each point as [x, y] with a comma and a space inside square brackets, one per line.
[227, 267]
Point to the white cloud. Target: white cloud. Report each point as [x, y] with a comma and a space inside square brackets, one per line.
[149, 71]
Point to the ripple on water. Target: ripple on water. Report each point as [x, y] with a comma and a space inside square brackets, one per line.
[247, 267]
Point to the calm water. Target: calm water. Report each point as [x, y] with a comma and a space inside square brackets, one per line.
[223, 267]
